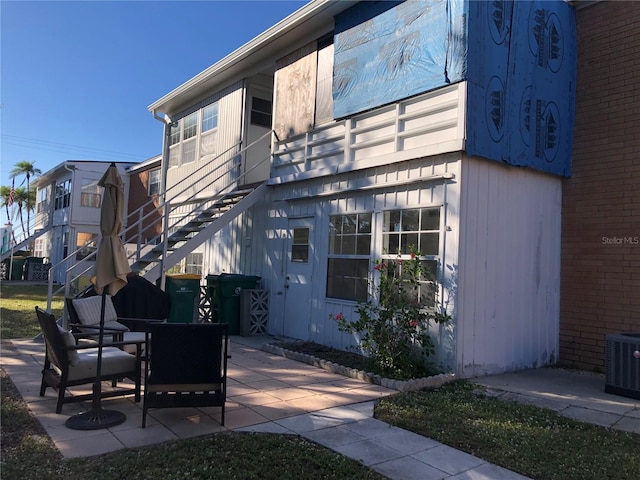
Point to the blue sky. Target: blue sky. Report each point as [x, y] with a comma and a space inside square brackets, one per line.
[77, 76]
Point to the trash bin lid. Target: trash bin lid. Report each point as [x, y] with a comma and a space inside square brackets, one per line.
[185, 276]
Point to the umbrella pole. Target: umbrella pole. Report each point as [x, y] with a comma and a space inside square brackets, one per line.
[97, 417]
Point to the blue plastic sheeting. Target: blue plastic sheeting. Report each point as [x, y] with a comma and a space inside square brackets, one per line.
[385, 56]
[519, 60]
[521, 88]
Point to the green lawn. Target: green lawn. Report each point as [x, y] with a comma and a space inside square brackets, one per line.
[17, 309]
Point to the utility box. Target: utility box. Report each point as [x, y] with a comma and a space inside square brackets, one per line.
[184, 292]
[622, 358]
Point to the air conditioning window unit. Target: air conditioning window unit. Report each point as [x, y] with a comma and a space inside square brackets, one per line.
[623, 364]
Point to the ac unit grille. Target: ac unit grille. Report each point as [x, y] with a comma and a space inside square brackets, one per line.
[622, 363]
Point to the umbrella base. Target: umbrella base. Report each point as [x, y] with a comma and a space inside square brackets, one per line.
[95, 419]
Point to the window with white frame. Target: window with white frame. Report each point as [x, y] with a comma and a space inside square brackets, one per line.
[193, 136]
[210, 117]
[193, 263]
[414, 231]
[189, 132]
[90, 194]
[42, 202]
[154, 181]
[63, 195]
[349, 256]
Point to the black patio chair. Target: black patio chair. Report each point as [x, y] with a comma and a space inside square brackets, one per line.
[185, 366]
[68, 363]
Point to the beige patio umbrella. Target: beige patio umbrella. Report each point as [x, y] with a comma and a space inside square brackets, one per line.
[111, 271]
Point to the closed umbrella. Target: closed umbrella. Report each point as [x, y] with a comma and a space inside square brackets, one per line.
[111, 272]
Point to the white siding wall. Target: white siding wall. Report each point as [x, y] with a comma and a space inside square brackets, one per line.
[265, 246]
[509, 274]
[230, 111]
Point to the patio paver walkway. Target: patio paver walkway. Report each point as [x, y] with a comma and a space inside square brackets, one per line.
[266, 393]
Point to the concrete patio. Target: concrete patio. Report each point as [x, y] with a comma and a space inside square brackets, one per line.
[261, 388]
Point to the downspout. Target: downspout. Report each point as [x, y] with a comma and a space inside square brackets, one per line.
[166, 122]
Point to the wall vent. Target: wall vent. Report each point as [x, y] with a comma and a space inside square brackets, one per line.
[622, 363]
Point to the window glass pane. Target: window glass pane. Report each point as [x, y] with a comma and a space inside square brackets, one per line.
[301, 235]
[408, 241]
[347, 278]
[300, 253]
[90, 194]
[348, 245]
[189, 152]
[349, 223]
[300, 245]
[175, 133]
[190, 125]
[210, 117]
[410, 220]
[430, 219]
[174, 156]
[261, 112]
[363, 246]
[364, 223]
[193, 263]
[390, 243]
[154, 182]
[391, 221]
[429, 243]
[208, 144]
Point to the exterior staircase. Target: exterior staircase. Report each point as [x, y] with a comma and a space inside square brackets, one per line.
[211, 219]
[206, 216]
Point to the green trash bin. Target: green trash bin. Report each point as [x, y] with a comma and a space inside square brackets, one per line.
[212, 283]
[227, 298]
[184, 292]
[17, 267]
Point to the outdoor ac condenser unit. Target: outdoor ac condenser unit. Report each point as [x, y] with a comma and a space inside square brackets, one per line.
[623, 364]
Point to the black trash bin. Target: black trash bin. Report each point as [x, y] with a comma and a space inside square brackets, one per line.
[184, 292]
[227, 298]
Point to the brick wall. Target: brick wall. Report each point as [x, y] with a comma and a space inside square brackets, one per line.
[138, 196]
[600, 280]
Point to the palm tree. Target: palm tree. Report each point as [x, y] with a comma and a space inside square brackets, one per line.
[4, 198]
[27, 169]
[21, 198]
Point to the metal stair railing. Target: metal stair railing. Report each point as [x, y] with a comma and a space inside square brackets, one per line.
[198, 204]
[22, 239]
[165, 207]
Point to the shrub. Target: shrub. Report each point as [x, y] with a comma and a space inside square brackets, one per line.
[393, 324]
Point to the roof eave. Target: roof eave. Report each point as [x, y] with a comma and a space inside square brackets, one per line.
[317, 12]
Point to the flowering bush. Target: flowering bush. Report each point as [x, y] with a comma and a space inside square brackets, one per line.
[392, 325]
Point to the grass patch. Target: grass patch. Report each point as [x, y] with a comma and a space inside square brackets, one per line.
[532, 441]
[29, 454]
[17, 309]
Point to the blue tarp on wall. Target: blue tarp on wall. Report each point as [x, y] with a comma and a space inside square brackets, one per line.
[521, 83]
[383, 57]
[519, 60]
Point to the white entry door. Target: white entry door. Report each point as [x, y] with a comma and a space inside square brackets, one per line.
[298, 278]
